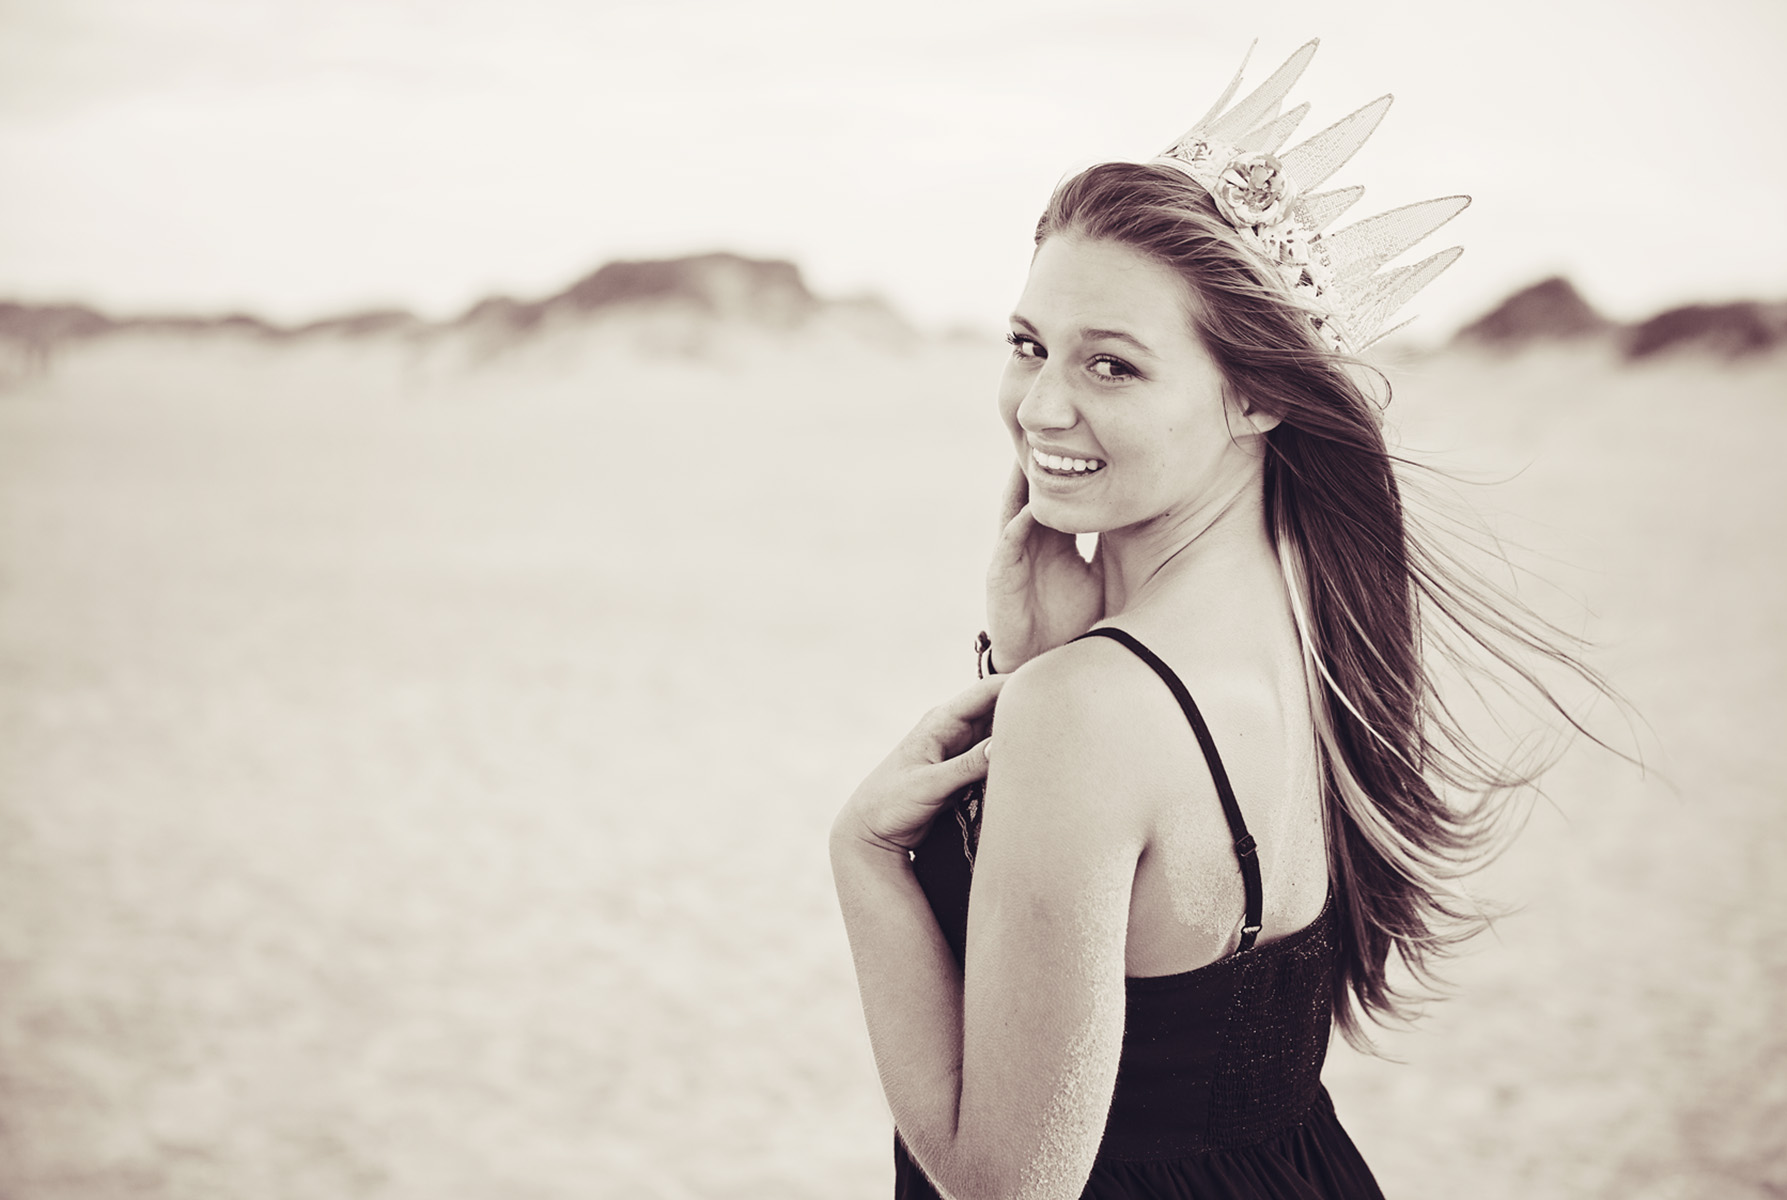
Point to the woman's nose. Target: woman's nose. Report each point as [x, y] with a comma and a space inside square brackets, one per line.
[1047, 404]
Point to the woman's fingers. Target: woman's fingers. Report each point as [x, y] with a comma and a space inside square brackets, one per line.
[973, 703]
[945, 751]
[954, 773]
[1026, 538]
[950, 728]
[1014, 539]
[1016, 495]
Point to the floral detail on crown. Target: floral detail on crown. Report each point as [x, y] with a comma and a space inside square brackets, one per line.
[1252, 190]
[1253, 193]
[1192, 151]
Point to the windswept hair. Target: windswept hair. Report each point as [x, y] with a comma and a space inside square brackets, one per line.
[1411, 801]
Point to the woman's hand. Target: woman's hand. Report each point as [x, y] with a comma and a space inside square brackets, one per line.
[1040, 592]
[945, 751]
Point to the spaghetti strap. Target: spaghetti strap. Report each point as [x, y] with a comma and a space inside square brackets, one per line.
[1245, 849]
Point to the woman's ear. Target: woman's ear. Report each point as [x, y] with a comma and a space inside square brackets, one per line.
[1256, 419]
[1262, 422]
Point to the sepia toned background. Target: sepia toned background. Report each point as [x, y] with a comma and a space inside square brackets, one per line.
[432, 649]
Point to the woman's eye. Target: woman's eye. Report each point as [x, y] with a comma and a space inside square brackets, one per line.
[1111, 368]
[1025, 347]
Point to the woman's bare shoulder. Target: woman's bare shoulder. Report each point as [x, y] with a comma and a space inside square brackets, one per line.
[1242, 685]
[1080, 692]
[1096, 681]
[1091, 719]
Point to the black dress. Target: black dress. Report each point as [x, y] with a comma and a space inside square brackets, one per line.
[1219, 1090]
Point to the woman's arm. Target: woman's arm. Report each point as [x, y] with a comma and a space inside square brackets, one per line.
[1000, 1084]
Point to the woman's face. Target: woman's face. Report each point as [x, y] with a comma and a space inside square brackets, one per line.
[1115, 408]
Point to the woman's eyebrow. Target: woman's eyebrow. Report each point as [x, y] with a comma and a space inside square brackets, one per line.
[1092, 335]
[1117, 335]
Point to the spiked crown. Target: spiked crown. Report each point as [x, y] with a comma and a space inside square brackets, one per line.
[1269, 198]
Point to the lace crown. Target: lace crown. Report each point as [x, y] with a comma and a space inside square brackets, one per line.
[1268, 197]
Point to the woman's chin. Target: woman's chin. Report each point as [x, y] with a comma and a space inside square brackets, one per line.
[1051, 513]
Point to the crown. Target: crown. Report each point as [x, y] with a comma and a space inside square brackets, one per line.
[1268, 197]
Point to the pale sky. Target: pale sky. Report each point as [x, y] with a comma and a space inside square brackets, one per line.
[298, 159]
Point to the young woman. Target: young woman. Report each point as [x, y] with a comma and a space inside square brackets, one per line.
[1115, 973]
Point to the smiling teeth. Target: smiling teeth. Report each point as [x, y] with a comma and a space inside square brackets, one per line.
[1056, 462]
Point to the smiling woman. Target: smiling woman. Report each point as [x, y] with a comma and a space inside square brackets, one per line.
[1112, 970]
[1133, 390]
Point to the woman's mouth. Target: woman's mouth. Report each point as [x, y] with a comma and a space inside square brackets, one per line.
[1058, 464]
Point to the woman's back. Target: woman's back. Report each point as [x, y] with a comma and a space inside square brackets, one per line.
[1236, 649]
[1218, 1089]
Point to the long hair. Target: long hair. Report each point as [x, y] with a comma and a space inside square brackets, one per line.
[1410, 801]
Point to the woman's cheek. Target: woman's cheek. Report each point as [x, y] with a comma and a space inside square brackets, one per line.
[1012, 386]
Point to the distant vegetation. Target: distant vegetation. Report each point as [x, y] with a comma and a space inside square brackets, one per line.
[699, 292]
[1553, 311]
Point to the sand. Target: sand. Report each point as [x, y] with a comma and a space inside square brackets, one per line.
[414, 775]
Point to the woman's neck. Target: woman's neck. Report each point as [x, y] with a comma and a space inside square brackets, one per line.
[1219, 543]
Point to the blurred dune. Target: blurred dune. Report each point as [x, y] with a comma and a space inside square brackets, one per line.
[689, 306]
[420, 742]
[697, 305]
[1552, 310]
[1549, 309]
[1730, 330]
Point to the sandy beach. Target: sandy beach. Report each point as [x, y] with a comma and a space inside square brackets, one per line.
[414, 775]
